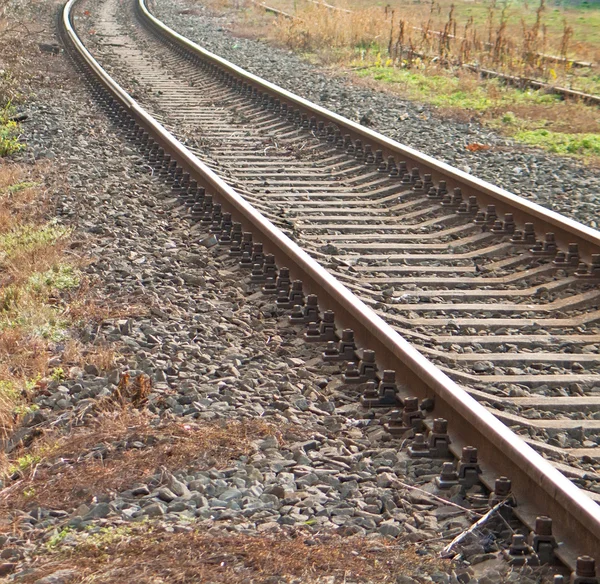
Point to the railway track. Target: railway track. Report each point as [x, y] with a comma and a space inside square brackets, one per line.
[476, 298]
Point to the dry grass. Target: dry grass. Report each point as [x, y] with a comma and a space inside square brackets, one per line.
[77, 354]
[148, 554]
[65, 470]
[44, 296]
[508, 38]
[23, 355]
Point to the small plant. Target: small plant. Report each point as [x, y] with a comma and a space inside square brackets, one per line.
[60, 277]
[29, 492]
[58, 374]
[21, 186]
[31, 384]
[9, 390]
[9, 133]
[23, 463]
[24, 410]
[56, 539]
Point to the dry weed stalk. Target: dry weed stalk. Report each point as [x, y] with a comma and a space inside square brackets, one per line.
[70, 471]
[148, 553]
[404, 36]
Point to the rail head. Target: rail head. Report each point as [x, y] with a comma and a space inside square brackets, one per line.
[566, 230]
[576, 515]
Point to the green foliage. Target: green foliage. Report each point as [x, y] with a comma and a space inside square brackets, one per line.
[26, 237]
[54, 330]
[29, 492]
[569, 144]
[8, 390]
[447, 91]
[56, 539]
[21, 186]
[23, 463]
[9, 133]
[58, 374]
[60, 277]
[24, 410]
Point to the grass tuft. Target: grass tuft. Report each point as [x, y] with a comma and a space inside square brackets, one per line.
[566, 144]
[9, 133]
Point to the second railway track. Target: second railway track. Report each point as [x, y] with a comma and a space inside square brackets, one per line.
[501, 295]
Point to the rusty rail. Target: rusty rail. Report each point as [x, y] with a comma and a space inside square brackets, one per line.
[576, 517]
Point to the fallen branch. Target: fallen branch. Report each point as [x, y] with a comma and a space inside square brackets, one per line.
[437, 499]
[446, 552]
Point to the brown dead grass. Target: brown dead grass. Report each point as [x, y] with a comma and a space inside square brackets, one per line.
[70, 471]
[16, 203]
[35, 311]
[88, 304]
[568, 117]
[31, 316]
[102, 355]
[148, 555]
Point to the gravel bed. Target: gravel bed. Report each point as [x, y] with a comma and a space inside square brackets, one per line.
[555, 182]
[214, 351]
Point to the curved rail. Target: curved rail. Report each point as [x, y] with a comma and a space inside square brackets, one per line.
[576, 517]
[566, 230]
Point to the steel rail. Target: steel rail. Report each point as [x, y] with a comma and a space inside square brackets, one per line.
[536, 483]
[566, 230]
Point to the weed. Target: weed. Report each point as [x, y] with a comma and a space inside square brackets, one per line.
[109, 536]
[22, 186]
[455, 92]
[57, 538]
[569, 144]
[29, 492]
[420, 49]
[59, 277]
[9, 133]
[173, 446]
[9, 139]
[23, 463]
[27, 237]
[24, 410]
[58, 374]
[151, 553]
[30, 384]
[8, 390]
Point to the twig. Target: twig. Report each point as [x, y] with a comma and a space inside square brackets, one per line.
[438, 499]
[446, 551]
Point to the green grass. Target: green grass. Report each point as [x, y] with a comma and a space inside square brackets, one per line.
[446, 91]
[568, 144]
[31, 306]
[493, 102]
[25, 238]
[40, 320]
[9, 133]
[60, 277]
